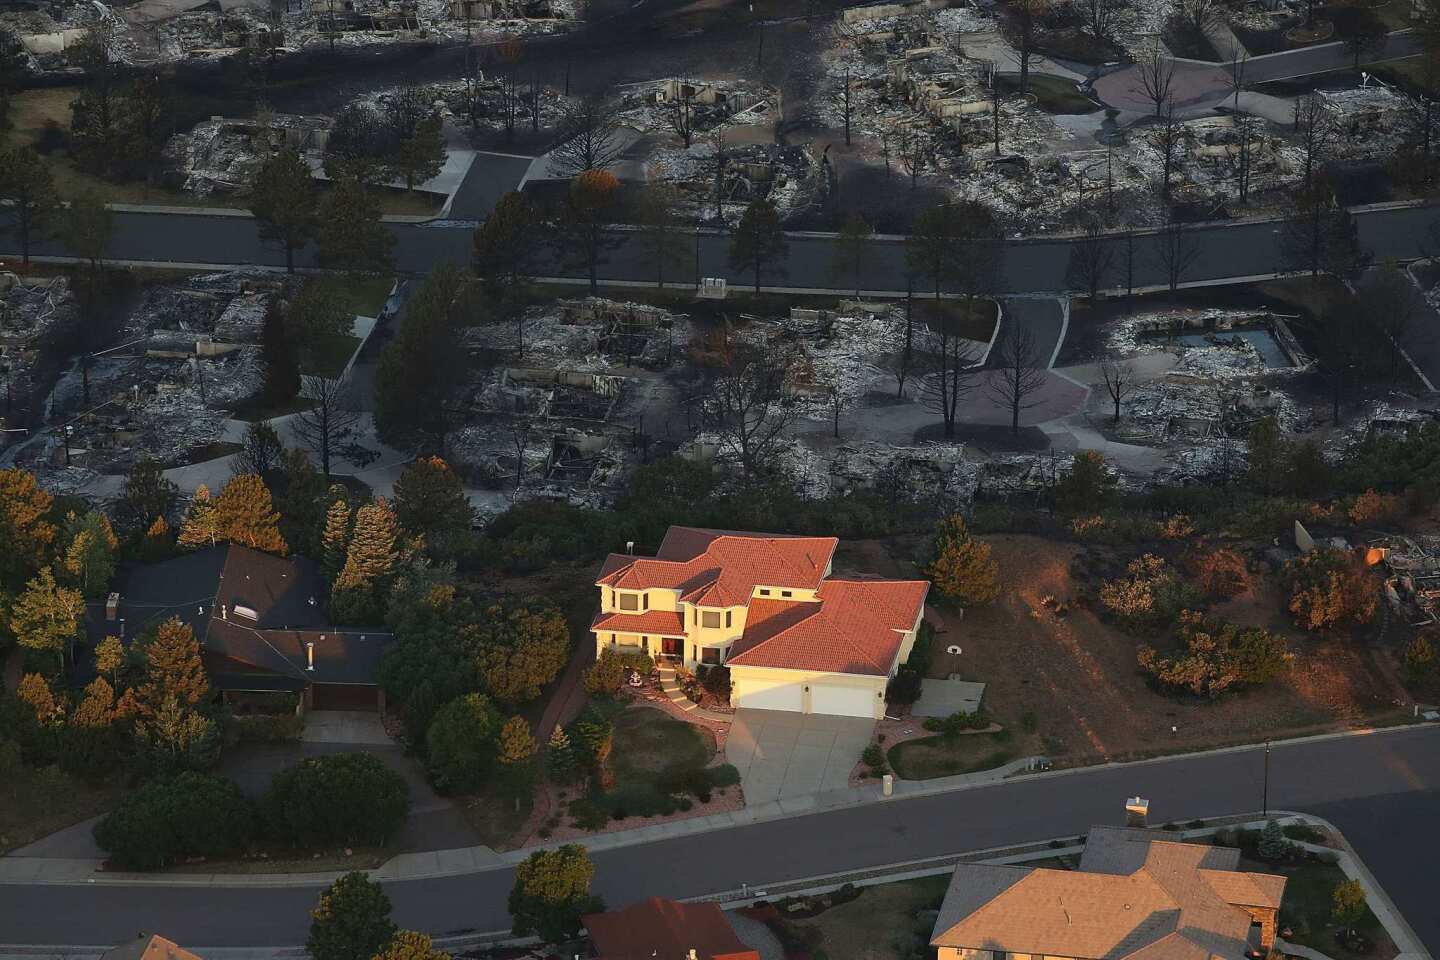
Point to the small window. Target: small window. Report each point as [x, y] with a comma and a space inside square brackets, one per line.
[710, 655]
[628, 601]
[786, 593]
[727, 618]
[646, 598]
[764, 591]
[711, 618]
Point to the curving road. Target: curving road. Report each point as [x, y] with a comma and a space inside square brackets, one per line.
[1382, 790]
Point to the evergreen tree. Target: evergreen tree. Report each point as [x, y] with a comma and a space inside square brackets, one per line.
[423, 370]
[46, 616]
[461, 743]
[552, 893]
[282, 372]
[302, 503]
[560, 762]
[350, 235]
[158, 543]
[283, 200]
[421, 155]
[200, 529]
[85, 226]
[351, 921]
[25, 528]
[244, 513]
[430, 501]
[25, 182]
[1086, 486]
[148, 496]
[174, 671]
[961, 566]
[260, 450]
[516, 753]
[584, 235]
[358, 592]
[759, 241]
[506, 246]
[173, 738]
[336, 538]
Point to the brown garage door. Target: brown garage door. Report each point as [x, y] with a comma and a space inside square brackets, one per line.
[343, 696]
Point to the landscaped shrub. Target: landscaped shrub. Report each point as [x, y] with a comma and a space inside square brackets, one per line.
[173, 818]
[1221, 573]
[609, 673]
[1218, 656]
[922, 652]
[957, 722]
[1151, 594]
[725, 775]
[265, 728]
[904, 688]
[1375, 509]
[1086, 486]
[587, 815]
[591, 738]
[461, 743]
[343, 798]
[716, 681]
[874, 758]
[1328, 587]
[960, 565]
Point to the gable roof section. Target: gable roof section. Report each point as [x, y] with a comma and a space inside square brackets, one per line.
[719, 568]
[856, 627]
[1148, 900]
[658, 929]
[153, 947]
[286, 592]
[670, 623]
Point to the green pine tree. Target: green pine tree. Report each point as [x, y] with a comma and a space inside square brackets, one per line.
[198, 528]
[335, 541]
[351, 921]
[373, 552]
[350, 235]
[422, 154]
[25, 182]
[284, 202]
[245, 514]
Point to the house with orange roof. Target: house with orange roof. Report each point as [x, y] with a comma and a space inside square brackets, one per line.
[766, 606]
[1134, 897]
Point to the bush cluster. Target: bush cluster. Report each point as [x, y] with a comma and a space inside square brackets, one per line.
[1330, 587]
[958, 722]
[1217, 657]
[343, 798]
[1151, 594]
[171, 819]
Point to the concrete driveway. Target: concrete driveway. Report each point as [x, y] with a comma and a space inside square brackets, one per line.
[784, 755]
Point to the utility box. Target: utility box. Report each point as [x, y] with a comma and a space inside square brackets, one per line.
[711, 288]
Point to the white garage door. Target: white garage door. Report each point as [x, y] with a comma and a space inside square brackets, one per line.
[842, 701]
[787, 696]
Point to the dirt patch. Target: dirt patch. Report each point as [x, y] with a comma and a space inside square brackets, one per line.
[1069, 686]
[882, 923]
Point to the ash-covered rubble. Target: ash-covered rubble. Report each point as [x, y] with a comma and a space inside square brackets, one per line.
[936, 475]
[587, 335]
[222, 155]
[37, 317]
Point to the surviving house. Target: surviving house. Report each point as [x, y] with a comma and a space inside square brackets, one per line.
[260, 621]
[1133, 896]
[793, 637]
[657, 929]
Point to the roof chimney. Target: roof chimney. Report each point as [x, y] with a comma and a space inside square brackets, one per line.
[112, 607]
[1136, 810]
[309, 654]
[691, 954]
[630, 547]
[224, 612]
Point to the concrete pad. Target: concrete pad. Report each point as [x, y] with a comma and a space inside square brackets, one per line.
[816, 738]
[791, 756]
[941, 698]
[344, 726]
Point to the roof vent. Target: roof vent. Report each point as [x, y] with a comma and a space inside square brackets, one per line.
[247, 612]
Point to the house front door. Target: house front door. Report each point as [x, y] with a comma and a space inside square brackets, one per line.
[672, 647]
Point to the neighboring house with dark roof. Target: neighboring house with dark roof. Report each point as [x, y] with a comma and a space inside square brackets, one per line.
[766, 606]
[1133, 896]
[260, 620]
[658, 929]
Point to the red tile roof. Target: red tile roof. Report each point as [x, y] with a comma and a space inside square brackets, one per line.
[857, 627]
[721, 569]
[670, 623]
[657, 929]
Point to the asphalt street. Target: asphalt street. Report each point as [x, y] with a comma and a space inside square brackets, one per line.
[1382, 790]
[1034, 265]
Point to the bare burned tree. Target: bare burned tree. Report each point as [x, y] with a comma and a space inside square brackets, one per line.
[1092, 258]
[845, 100]
[1235, 73]
[948, 364]
[324, 426]
[589, 136]
[1021, 28]
[680, 114]
[719, 158]
[1198, 16]
[1176, 250]
[1102, 17]
[1120, 381]
[1244, 160]
[1318, 236]
[745, 408]
[1019, 374]
[1156, 73]
[1314, 128]
[917, 153]
[1169, 140]
[1396, 307]
[507, 57]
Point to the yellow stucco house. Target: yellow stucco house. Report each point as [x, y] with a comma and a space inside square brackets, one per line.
[764, 605]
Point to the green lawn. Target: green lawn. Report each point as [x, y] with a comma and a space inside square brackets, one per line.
[1052, 94]
[34, 803]
[941, 756]
[648, 742]
[331, 355]
[364, 296]
[493, 816]
[1307, 907]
